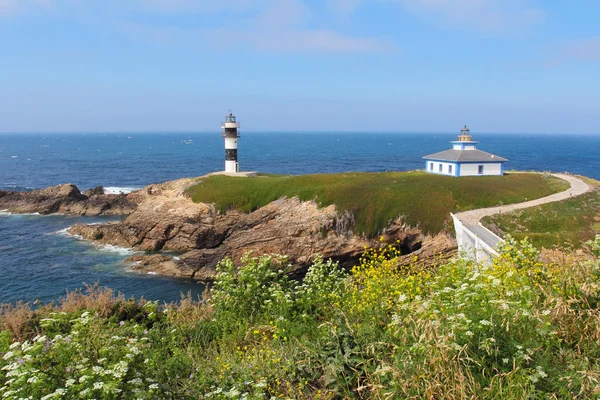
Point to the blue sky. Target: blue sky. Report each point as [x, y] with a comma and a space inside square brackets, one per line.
[300, 65]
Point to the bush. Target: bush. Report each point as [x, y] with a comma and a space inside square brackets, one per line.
[516, 328]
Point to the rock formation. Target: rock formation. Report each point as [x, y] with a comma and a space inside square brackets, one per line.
[162, 218]
[66, 199]
[167, 220]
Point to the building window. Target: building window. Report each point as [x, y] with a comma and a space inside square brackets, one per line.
[440, 169]
[431, 166]
[480, 170]
[450, 169]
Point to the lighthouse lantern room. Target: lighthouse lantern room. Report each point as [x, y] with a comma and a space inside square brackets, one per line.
[231, 135]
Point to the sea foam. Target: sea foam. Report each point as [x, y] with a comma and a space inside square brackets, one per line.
[115, 249]
[119, 190]
[100, 247]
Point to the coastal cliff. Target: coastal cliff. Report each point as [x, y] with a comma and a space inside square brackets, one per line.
[189, 225]
[166, 219]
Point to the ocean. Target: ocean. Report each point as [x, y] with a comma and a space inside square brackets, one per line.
[39, 261]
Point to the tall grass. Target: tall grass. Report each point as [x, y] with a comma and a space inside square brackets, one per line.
[376, 199]
[518, 328]
[568, 223]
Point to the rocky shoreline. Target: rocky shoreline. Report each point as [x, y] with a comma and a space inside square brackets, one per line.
[162, 218]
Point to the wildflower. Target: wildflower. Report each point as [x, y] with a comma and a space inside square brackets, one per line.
[485, 322]
[546, 312]
[540, 372]
[153, 386]
[469, 333]
[98, 385]
[122, 323]
[8, 355]
[505, 360]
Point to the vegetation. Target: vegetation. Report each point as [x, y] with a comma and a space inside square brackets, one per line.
[375, 199]
[568, 223]
[514, 329]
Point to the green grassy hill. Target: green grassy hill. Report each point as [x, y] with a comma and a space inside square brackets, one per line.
[568, 223]
[424, 200]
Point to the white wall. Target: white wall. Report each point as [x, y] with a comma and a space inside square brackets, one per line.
[231, 166]
[436, 168]
[231, 143]
[488, 169]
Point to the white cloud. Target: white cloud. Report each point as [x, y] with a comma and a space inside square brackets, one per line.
[492, 16]
[273, 26]
[584, 49]
[578, 50]
[344, 7]
[9, 7]
[498, 16]
[198, 5]
[263, 39]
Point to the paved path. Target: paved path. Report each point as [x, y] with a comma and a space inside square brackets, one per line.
[471, 218]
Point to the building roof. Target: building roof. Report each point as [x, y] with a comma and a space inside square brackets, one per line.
[465, 156]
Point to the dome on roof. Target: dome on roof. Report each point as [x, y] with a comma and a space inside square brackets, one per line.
[465, 135]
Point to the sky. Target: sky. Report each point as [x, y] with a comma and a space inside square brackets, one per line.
[521, 66]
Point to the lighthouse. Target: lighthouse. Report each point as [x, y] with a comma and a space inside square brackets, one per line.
[464, 159]
[231, 135]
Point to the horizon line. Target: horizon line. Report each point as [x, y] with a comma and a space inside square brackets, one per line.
[254, 131]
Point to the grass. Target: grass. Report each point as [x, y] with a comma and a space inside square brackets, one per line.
[376, 199]
[517, 328]
[567, 223]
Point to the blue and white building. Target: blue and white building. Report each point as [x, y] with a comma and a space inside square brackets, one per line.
[464, 159]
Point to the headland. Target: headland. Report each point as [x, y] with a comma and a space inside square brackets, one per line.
[200, 221]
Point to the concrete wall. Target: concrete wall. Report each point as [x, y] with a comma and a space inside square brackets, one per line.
[470, 245]
[488, 169]
[445, 168]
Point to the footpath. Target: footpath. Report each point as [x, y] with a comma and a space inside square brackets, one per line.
[471, 219]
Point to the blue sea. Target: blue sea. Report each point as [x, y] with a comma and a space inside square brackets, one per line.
[38, 260]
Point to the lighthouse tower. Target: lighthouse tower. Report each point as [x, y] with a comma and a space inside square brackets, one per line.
[231, 135]
[465, 140]
[464, 159]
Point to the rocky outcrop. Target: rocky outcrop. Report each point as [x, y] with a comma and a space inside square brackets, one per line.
[66, 199]
[162, 218]
[166, 220]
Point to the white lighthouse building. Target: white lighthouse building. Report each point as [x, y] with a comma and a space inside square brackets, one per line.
[231, 135]
[464, 159]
